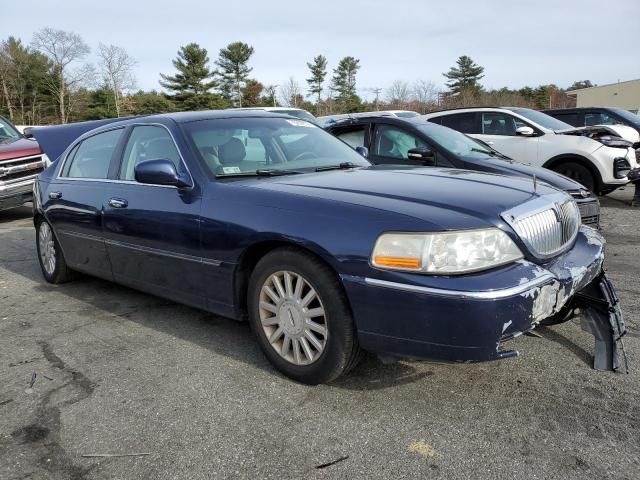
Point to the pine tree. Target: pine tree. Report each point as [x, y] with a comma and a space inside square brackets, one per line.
[193, 82]
[234, 70]
[465, 77]
[318, 69]
[344, 84]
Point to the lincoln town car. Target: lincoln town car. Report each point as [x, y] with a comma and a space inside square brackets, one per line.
[267, 218]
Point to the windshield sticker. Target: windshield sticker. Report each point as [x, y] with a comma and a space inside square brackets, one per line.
[300, 123]
[231, 170]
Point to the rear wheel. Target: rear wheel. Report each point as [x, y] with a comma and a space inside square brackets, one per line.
[52, 262]
[577, 172]
[301, 318]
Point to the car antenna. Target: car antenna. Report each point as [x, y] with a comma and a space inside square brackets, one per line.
[535, 183]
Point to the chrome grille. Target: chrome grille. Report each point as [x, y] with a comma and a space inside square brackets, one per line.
[547, 229]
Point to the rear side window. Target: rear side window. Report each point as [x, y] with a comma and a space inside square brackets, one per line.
[92, 156]
[599, 118]
[462, 122]
[568, 117]
[148, 142]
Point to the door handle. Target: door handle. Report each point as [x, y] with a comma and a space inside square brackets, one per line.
[118, 203]
[55, 195]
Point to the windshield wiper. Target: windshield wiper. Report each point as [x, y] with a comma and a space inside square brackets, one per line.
[272, 172]
[340, 166]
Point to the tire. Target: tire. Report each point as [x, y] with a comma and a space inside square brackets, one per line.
[52, 263]
[279, 312]
[577, 172]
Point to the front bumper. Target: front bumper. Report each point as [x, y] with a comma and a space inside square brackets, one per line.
[17, 193]
[467, 319]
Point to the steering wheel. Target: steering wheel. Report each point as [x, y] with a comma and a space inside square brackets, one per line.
[303, 155]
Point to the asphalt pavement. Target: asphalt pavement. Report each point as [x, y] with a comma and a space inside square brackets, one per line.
[186, 394]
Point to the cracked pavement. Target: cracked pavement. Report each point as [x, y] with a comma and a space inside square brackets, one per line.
[119, 372]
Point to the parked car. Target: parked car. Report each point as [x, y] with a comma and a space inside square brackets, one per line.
[592, 116]
[416, 141]
[20, 162]
[591, 156]
[323, 253]
[294, 112]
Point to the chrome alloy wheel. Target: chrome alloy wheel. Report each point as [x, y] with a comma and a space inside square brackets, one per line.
[47, 248]
[293, 318]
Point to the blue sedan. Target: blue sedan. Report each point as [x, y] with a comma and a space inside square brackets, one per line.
[267, 218]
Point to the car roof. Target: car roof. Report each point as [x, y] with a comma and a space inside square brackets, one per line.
[417, 120]
[470, 109]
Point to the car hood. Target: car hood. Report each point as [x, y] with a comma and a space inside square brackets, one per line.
[626, 133]
[431, 194]
[511, 167]
[18, 147]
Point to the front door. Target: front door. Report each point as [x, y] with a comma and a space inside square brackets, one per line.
[152, 232]
[499, 130]
[74, 201]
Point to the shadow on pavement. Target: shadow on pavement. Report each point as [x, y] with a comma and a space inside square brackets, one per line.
[560, 339]
[223, 336]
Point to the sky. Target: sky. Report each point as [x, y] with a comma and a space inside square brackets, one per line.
[518, 43]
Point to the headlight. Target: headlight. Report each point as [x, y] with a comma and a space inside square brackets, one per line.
[445, 253]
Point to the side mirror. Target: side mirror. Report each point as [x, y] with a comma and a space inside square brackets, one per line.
[364, 151]
[27, 133]
[160, 172]
[525, 131]
[422, 154]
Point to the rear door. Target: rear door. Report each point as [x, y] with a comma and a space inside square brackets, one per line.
[74, 202]
[152, 232]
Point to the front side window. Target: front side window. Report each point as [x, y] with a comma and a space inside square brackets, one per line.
[233, 146]
[462, 122]
[455, 142]
[352, 136]
[147, 142]
[91, 158]
[395, 143]
[599, 118]
[498, 123]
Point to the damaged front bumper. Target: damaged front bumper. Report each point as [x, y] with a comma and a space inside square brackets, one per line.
[460, 318]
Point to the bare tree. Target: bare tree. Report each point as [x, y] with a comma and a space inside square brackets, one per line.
[116, 66]
[62, 48]
[398, 94]
[291, 93]
[425, 95]
[271, 91]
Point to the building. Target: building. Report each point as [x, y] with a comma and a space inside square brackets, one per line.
[622, 95]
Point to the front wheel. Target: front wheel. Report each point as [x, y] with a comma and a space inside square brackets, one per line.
[577, 172]
[301, 318]
[52, 262]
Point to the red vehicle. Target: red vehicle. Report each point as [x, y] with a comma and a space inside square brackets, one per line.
[21, 160]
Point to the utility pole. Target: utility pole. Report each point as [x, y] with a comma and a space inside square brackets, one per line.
[376, 91]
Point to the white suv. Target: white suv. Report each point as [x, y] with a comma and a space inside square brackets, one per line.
[594, 156]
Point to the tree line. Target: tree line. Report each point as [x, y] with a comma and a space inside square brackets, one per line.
[49, 81]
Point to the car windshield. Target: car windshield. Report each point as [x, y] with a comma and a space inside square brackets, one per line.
[542, 119]
[7, 131]
[455, 142]
[627, 115]
[246, 146]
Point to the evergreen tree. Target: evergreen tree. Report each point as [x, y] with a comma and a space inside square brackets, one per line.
[193, 82]
[318, 69]
[465, 77]
[344, 84]
[234, 70]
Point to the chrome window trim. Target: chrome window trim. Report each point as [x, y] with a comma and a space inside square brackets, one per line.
[130, 182]
[476, 295]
